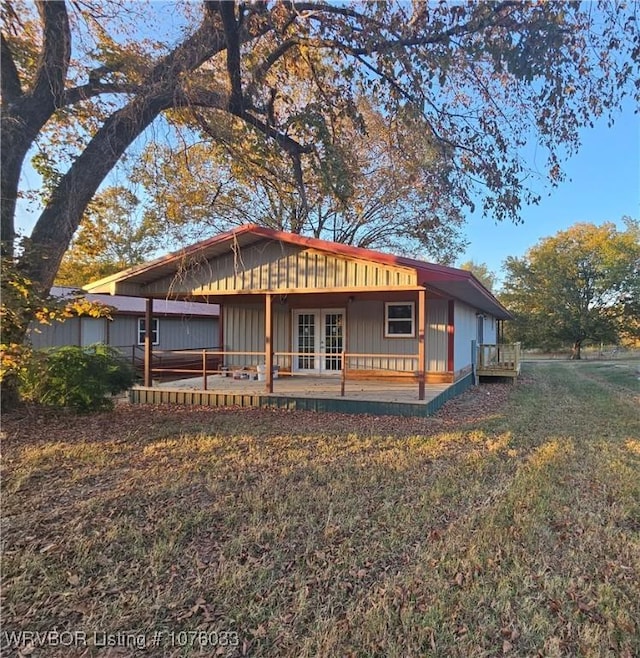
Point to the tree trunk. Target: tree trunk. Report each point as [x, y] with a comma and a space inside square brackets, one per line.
[61, 217]
[575, 350]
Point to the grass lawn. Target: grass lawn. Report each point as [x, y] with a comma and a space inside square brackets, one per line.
[509, 524]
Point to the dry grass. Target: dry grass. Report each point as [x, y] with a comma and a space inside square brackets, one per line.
[508, 525]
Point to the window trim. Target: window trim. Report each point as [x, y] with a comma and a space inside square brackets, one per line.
[155, 322]
[412, 319]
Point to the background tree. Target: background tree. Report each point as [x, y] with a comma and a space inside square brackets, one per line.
[112, 236]
[81, 82]
[582, 284]
[481, 272]
[392, 192]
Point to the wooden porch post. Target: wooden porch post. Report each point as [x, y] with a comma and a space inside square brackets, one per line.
[268, 342]
[148, 342]
[421, 352]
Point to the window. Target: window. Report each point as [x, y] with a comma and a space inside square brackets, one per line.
[399, 320]
[480, 332]
[155, 334]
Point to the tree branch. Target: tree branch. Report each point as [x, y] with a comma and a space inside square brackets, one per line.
[9, 77]
[92, 89]
[56, 52]
[227, 13]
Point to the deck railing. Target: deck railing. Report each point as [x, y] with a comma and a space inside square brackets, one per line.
[501, 360]
[206, 362]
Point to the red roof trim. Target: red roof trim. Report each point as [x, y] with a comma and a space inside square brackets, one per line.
[427, 272]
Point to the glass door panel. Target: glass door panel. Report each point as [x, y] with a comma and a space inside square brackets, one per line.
[306, 332]
[333, 341]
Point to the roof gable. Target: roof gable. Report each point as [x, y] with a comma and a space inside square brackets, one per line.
[253, 259]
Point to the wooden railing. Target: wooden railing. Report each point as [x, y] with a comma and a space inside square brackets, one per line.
[206, 362]
[499, 360]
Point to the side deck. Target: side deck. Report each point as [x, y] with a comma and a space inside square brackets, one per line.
[501, 360]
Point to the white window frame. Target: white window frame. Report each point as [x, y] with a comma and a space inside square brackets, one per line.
[387, 319]
[155, 331]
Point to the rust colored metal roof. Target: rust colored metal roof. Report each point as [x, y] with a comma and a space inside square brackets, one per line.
[449, 281]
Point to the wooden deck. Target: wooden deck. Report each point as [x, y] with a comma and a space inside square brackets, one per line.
[502, 360]
[306, 393]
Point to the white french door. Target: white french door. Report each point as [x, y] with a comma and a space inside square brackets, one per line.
[319, 340]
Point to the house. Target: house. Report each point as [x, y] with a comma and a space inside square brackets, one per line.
[317, 308]
[175, 325]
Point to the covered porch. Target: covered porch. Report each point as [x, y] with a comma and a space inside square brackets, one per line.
[361, 321]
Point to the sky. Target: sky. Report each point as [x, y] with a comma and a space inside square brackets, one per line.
[602, 184]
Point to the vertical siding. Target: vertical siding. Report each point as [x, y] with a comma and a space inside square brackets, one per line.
[123, 332]
[490, 329]
[273, 265]
[465, 330]
[436, 337]
[244, 332]
[187, 333]
[56, 334]
[366, 336]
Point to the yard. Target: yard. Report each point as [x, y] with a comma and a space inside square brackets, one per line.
[508, 524]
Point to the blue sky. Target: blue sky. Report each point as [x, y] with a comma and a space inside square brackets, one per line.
[602, 184]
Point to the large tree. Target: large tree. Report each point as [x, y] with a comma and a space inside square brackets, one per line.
[386, 188]
[114, 234]
[582, 284]
[81, 82]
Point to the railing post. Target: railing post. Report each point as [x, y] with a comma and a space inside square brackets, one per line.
[204, 370]
[268, 342]
[148, 342]
[421, 338]
[343, 374]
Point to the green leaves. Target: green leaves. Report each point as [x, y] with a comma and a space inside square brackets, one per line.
[580, 284]
[79, 378]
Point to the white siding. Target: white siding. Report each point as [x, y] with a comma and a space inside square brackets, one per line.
[490, 329]
[465, 331]
[437, 343]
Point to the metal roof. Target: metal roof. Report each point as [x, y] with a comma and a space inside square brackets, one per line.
[449, 281]
[136, 305]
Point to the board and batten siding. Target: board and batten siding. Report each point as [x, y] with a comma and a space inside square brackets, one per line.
[244, 331]
[176, 332]
[365, 335]
[437, 337]
[55, 334]
[466, 331]
[276, 266]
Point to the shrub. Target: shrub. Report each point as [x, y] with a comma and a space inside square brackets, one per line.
[79, 378]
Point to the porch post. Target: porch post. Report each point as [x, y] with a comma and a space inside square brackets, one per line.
[268, 342]
[421, 325]
[148, 342]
